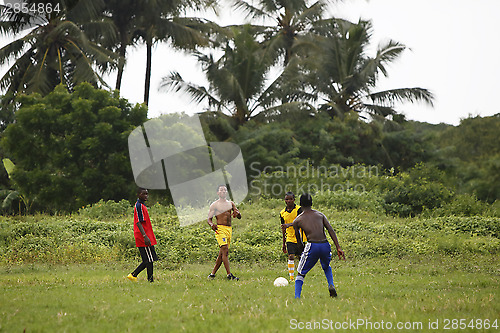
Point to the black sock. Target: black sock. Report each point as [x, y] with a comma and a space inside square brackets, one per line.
[149, 267]
[139, 269]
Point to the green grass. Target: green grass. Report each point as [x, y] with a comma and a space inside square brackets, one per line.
[98, 298]
[67, 274]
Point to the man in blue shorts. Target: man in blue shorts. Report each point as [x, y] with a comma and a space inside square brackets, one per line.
[314, 223]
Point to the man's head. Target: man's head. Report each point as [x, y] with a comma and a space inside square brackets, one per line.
[289, 199]
[142, 193]
[222, 191]
[306, 200]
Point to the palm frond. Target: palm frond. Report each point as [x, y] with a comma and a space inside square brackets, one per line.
[403, 95]
[378, 110]
[310, 14]
[174, 82]
[387, 53]
[186, 33]
[252, 11]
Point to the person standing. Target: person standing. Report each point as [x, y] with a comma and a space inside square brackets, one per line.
[145, 239]
[221, 209]
[290, 247]
[314, 223]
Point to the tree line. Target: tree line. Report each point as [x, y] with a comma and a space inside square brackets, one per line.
[70, 149]
[301, 87]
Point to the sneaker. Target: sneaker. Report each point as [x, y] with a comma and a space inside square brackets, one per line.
[131, 277]
[333, 292]
[232, 277]
[211, 276]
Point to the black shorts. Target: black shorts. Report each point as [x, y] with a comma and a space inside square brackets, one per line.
[293, 248]
[148, 254]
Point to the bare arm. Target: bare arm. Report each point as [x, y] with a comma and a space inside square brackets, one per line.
[333, 235]
[147, 241]
[283, 230]
[211, 214]
[297, 233]
[236, 212]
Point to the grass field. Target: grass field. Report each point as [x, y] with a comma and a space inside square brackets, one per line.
[66, 273]
[414, 294]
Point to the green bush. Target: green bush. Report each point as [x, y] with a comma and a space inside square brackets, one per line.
[105, 210]
[257, 237]
[464, 205]
[409, 196]
[346, 200]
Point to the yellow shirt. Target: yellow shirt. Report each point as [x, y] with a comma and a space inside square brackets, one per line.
[288, 217]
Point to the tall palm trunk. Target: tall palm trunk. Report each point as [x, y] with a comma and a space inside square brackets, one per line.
[147, 81]
[121, 61]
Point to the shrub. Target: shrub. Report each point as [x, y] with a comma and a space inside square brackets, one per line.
[346, 200]
[409, 196]
[106, 209]
[464, 205]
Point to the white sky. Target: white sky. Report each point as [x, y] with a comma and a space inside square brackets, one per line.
[454, 50]
[454, 46]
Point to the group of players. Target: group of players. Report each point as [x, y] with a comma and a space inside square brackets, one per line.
[303, 230]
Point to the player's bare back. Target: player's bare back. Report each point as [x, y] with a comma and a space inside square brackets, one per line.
[313, 226]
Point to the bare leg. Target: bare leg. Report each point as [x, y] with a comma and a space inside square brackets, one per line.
[218, 262]
[224, 249]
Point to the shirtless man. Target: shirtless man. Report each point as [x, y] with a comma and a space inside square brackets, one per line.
[314, 223]
[221, 209]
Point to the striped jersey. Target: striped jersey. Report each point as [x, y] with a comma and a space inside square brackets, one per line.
[141, 215]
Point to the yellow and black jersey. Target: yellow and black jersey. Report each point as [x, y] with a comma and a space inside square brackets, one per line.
[288, 217]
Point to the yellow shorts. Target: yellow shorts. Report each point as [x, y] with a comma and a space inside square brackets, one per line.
[223, 235]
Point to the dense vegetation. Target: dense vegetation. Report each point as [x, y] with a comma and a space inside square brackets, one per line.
[102, 232]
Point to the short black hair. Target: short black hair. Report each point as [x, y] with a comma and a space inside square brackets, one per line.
[290, 193]
[306, 200]
[140, 189]
[218, 187]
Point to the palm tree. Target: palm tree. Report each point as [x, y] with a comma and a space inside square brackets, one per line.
[344, 77]
[55, 51]
[124, 15]
[237, 80]
[293, 20]
[163, 20]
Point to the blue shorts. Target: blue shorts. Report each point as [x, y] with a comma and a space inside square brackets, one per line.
[313, 252]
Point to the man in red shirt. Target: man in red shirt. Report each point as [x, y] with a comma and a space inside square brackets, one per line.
[145, 239]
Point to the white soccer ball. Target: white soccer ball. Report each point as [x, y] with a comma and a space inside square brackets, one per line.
[280, 282]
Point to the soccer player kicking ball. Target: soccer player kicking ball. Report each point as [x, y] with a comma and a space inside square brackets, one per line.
[221, 209]
[144, 237]
[313, 223]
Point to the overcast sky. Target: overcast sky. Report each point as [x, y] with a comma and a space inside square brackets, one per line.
[454, 50]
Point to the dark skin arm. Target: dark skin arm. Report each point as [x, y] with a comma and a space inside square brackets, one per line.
[236, 212]
[333, 235]
[283, 230]
[300, 243]
[147, 241]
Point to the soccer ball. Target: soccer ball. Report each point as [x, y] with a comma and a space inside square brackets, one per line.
[280, 282]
